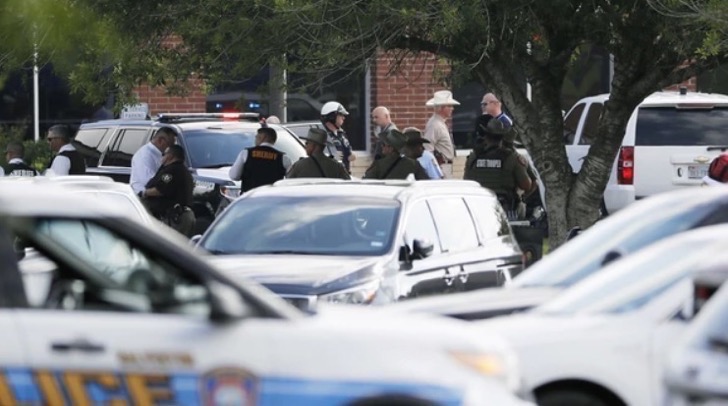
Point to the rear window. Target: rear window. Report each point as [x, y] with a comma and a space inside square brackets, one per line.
[658, 126]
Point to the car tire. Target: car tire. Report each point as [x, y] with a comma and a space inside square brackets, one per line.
[566, 397]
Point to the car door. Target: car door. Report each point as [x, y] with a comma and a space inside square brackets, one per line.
[429, 275]
[457, 237]
[117, 158]
[497, 259]
[586, 135]
[125, 325]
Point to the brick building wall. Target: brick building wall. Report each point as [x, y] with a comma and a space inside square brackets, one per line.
[160, 102]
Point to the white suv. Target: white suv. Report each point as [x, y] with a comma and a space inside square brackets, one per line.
[670, 140]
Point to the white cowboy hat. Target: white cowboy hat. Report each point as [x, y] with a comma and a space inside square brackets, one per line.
[442, 98]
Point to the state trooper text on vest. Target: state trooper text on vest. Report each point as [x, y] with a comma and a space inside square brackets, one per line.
[489, 163]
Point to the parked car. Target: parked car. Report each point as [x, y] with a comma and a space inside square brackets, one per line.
[622, 234]
[602, 341]
[695, 371]
[300, 128]
[133, 315]
[211, 143]
[366, 241]
[669, 141]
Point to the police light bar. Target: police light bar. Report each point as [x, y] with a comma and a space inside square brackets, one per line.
[169, 117]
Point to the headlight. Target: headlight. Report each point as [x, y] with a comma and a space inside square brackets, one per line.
[499, 366]
[362, 294]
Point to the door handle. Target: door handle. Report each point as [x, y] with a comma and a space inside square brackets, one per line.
[463, 276]
[77, 345]
[449, 278]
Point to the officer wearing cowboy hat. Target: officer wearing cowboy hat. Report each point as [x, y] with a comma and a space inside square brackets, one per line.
[393, 165]
[317, 164]
[437, 131]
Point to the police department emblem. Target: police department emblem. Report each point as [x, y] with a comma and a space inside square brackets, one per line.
[166, 178]
[229, 387]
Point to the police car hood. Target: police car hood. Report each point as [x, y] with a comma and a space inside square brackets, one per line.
[222, 173]
[479, 304]
[298, 274]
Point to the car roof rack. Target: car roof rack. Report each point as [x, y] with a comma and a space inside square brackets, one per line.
[191, 117]
[385, 182]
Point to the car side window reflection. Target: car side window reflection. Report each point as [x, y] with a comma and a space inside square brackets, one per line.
[124, 267]
[454, 224]
[419, 225]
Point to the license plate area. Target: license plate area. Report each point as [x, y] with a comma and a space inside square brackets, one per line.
[697, 171]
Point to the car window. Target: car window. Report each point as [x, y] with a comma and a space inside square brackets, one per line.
[626, 232]
[215, 148]
[126, 144]
[322, 225]
[589, 130]
[89, 143]
[300, 110]
[454, 224]
[490, 217]
[116, 266]
[571, 123]
[710, 329]
[419, 225]
[689, 126]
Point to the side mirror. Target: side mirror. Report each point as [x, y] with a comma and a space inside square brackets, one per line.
[576, 230]
[227, 303]
[611, 256]
[421, 248]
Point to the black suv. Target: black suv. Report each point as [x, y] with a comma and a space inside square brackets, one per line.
[366, 241]
[211, 142]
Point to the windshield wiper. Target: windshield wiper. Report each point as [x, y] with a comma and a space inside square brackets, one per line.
[214, 166]
[218, 252]
[283, 252]
[720, 343]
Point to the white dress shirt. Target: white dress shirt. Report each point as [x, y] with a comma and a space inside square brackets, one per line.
[236, 171]
[61, 164]
[144, 165]
[429, 163]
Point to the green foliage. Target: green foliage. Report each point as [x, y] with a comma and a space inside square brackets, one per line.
[37, 154]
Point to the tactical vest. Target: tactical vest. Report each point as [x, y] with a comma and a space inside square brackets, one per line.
[263, 166]
[19, 169]
[488, 169]
[78, 166]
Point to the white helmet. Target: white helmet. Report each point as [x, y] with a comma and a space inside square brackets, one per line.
[333, 107]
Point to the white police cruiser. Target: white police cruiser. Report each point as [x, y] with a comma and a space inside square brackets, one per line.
[130, 315]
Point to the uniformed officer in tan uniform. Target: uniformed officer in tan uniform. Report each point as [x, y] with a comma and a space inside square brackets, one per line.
[317, 165]
[497, 168]
[393, 165]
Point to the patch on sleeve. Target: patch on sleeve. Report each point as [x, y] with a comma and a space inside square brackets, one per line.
[522, 160]
[166, 178]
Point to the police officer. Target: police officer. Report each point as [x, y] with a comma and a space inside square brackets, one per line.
[67, 160]
[262, 164]
[14, 153]
[499, 169]
[337, 146]
[168, 195]
[317, 165]
[393, 165]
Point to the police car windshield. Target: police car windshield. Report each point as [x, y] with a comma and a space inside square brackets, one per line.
[629, 284]
[313, 225]
[215, 147]
[625, 232]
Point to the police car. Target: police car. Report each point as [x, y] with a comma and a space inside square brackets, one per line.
[133, 317]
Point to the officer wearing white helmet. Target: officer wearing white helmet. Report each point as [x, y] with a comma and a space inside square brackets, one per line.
[337, 145]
